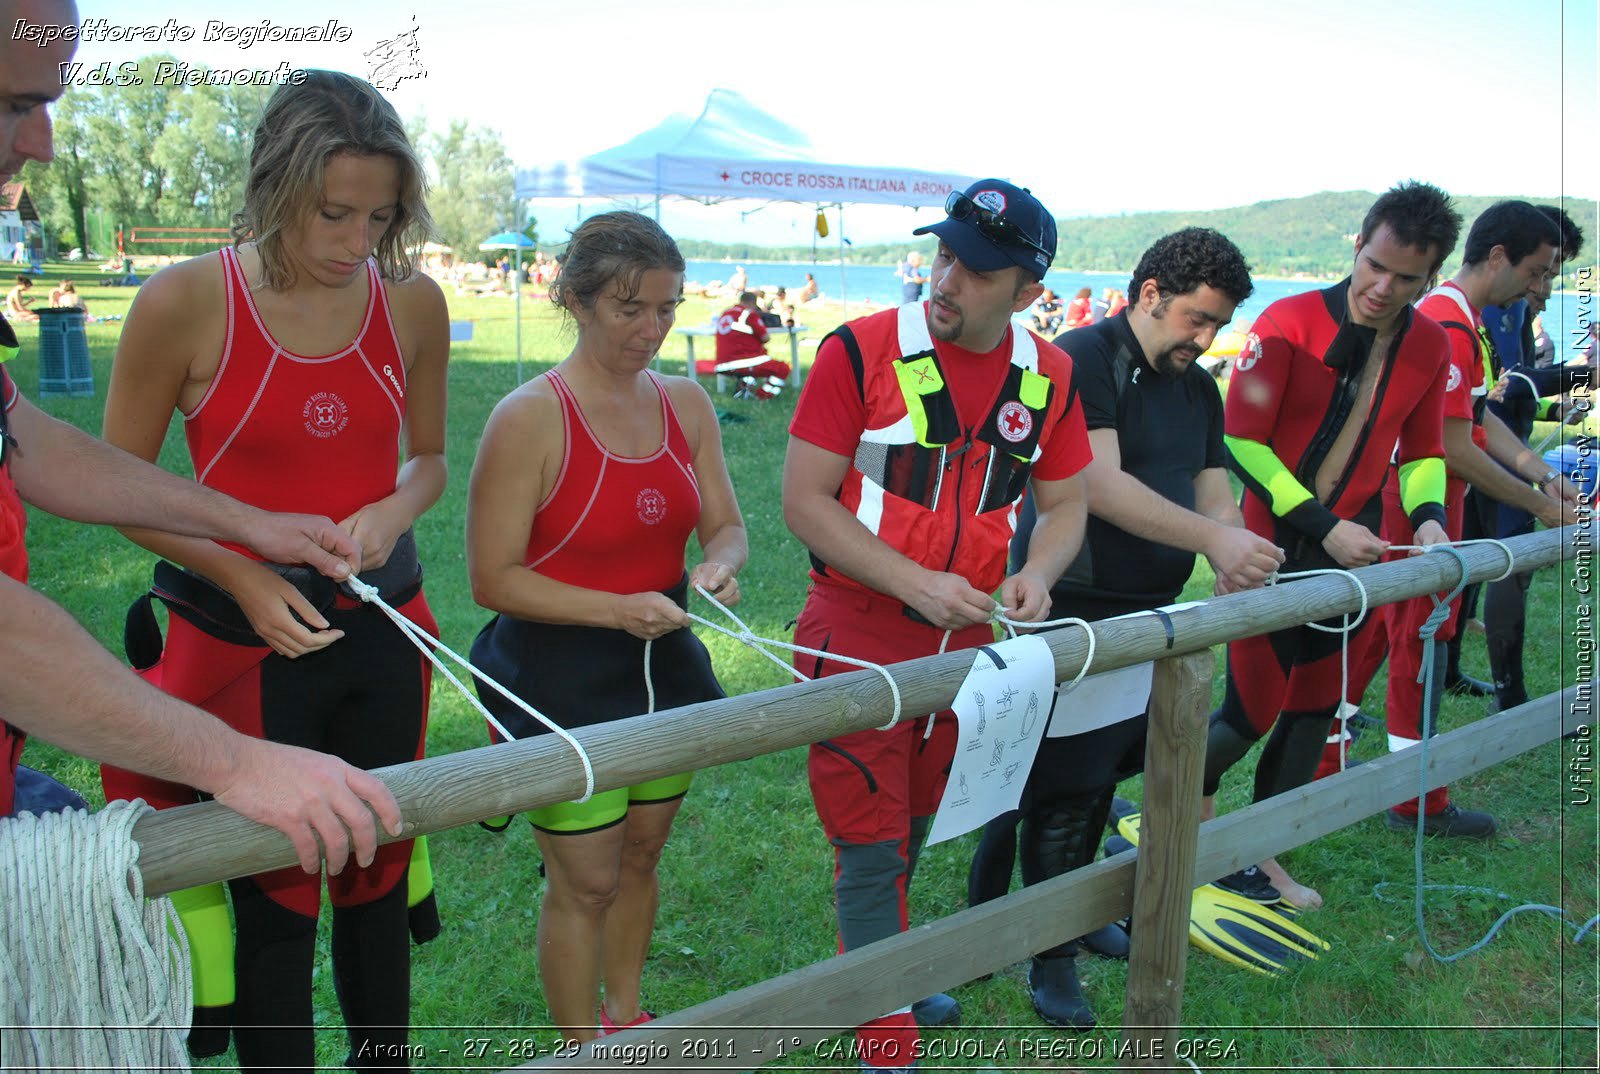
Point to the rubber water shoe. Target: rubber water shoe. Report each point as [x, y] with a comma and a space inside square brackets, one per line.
[1057, 996]
[937, 1010]
[1451, 821]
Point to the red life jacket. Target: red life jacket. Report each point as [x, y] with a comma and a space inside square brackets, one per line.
[1448, 305]
[942, 495]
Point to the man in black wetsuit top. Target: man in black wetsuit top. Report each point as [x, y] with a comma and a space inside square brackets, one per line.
[1158, 494]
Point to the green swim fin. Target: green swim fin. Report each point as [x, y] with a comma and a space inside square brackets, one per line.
[1247, 934]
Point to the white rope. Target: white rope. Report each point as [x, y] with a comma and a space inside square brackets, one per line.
[755, 641]
[1011, 626]
[1347, 626]
[749, 637]
[92, 975]
[1511, 559]
[1576, 410]
[423, 640]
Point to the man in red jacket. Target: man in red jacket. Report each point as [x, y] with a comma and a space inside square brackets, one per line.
[913, 440]
[742, 350]
[1328, 385]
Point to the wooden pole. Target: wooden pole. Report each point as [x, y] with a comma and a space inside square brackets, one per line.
[788, 1015]
[1175, 750]
[200, 844]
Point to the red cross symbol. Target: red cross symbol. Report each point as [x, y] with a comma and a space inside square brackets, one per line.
[1016, 422]
[724, 175]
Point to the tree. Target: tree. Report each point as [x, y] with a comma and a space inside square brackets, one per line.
[473, 193]
[124, 123]
[205, 152]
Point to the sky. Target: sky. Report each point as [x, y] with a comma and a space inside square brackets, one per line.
[1100, 108]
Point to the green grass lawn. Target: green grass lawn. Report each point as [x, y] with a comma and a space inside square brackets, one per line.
[746, 880]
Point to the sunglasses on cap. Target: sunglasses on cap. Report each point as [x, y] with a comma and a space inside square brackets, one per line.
[990, 224]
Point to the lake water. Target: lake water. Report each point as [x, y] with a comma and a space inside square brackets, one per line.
[880, 284]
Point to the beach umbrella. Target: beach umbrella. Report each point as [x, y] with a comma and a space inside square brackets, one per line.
[513, 240]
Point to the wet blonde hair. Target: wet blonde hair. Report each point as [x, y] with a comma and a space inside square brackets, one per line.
[304, 125]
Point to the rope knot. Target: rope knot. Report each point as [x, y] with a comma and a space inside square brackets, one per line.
[358, 588]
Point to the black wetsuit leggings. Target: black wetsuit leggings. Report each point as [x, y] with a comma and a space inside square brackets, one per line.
[1065, 804]
[1505, 610]
[364, 699]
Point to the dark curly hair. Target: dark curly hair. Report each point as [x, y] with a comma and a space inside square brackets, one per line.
[1515, 226]
[1185, 260]
[1420, 215]
[1571, 233]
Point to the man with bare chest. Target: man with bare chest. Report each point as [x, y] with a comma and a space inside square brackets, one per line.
[1327, 384]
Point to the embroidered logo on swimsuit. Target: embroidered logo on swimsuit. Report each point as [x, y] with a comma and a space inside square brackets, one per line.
[1455, 378]
[388, 371]
[992, 200]
[325, 415]
[1249, 352]
[651, 505]
[1015, 422]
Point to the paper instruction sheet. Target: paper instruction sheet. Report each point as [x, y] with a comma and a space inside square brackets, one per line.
[1001, 710]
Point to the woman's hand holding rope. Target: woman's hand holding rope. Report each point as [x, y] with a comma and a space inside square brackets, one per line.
[1429, 534]
[648, 616]
[376, 528]
[949, 601]
[718, 579]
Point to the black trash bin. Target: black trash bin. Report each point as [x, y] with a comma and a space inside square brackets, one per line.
[64, 353]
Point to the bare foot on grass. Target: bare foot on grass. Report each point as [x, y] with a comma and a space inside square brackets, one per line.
[1294, 893]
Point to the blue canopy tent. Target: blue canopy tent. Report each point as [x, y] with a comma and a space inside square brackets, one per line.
[732, 150]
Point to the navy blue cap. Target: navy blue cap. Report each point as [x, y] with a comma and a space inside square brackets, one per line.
[1014, 204]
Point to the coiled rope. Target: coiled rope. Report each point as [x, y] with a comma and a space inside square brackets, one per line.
[93, 976]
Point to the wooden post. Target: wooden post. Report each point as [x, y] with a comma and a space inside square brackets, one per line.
[1175, 758]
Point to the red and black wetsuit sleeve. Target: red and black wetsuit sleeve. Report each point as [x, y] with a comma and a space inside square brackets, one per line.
[1255, 400]
[1420, 455]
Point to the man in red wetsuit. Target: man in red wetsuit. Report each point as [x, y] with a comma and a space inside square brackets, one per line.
[76, 694]
[742, 347]
[1327, 383]
[1511, 247]
[915, 436]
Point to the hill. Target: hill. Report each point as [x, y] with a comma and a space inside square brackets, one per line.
[1309, 235]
